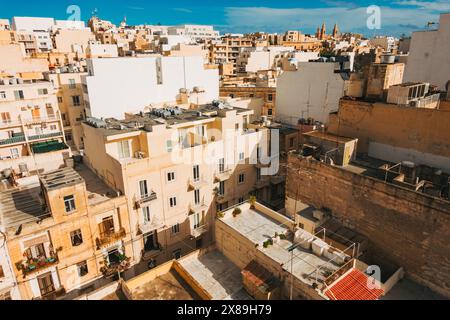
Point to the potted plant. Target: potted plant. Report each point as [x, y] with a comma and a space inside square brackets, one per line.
[282, 236]
[252, 201]
[236, 211]
[220, 214]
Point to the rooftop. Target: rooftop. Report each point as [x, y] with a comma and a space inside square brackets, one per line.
[162, 116]
[327, 136]
[216, 274]
[257, 226]
[60, 178]
[22, 204]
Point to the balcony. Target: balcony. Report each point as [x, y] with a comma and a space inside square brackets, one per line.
[48, 146]
[260, 164]
[196, 183]
[197, 232]
[12, 140]
[39, 120]
[45, 136]
[31, 265]
[110, 237]
[193, 207]
[147, 226]
[222, 175]
[144, 199]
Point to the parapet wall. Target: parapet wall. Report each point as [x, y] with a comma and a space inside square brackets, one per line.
[409, 229]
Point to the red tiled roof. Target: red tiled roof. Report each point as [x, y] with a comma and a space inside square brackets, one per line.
[353, 286]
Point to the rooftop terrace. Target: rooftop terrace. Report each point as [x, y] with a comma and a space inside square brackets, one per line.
[161, 116]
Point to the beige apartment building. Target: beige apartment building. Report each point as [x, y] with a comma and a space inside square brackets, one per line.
[172, 166]
[67, 230]
[228, 50]
[31, 128]
[69, 92]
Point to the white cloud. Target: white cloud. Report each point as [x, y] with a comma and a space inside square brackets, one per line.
[438, 5]
[393, 20]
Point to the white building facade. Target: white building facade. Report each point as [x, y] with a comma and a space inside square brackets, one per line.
[429, 58]
[312, 91]
[118, 85]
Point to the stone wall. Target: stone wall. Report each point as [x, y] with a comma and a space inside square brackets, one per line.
[409, 229]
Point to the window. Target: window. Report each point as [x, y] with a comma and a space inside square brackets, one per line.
[196, 172]
[258, 174]
[82, 268]
[241, 199]
[221, 165]
[69, 203]
[46, 285]
[60, 99]
[196, 220]
[221, 188]
[6, 117]
[2, 274]
[170, 176]
[18, 94]
[173, 201]
[76, 102]
[76, 238]
[143, 190]
[176, 254]
[236, 126]
[241, 178]
[42, 91]
[176, 228]
[72, 84]
[15, 153]
[169, 145]
[270, 97]
[146, 214]
[150, 241]
[106, 226]
[2, 95]
[123, 149]
[241, 156]
[35, 252]
[269, 112]
[197, 196]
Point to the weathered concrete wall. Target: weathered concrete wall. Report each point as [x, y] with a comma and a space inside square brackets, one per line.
[406, 228]
[424, 130]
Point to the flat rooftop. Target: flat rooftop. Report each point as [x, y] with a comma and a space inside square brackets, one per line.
[257, 226]
[161, 116]
[217, 275]
[327, 136]
[169, 286]
[60, 178]
[22, 204]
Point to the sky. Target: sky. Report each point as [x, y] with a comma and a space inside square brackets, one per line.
[240, 16]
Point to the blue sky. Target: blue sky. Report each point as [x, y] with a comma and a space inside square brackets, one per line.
[240, 16]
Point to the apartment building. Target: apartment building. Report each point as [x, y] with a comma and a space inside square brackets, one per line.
[267, 94]
[227, 50]
[428, 59]
[16, 63]
[68, 230]
[178, 168]
[196, 32]
[69, 94]
[31, 129]
[8, 288]
[252, 60]
[118, 85]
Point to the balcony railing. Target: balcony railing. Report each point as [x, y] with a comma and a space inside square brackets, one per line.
[32, 265]
[221, 175]
[109, 237]
[152, 225]
[12, 140]
[197, 183]
[45, 135]
[144, 199]
[197, 232]
[40, 119]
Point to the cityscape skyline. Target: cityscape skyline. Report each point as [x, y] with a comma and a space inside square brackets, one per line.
[397, 17]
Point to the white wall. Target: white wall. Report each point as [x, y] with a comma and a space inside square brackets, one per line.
[120, 85]
[429, 58]
[313, 90]
[8, 282]
[31, 23]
